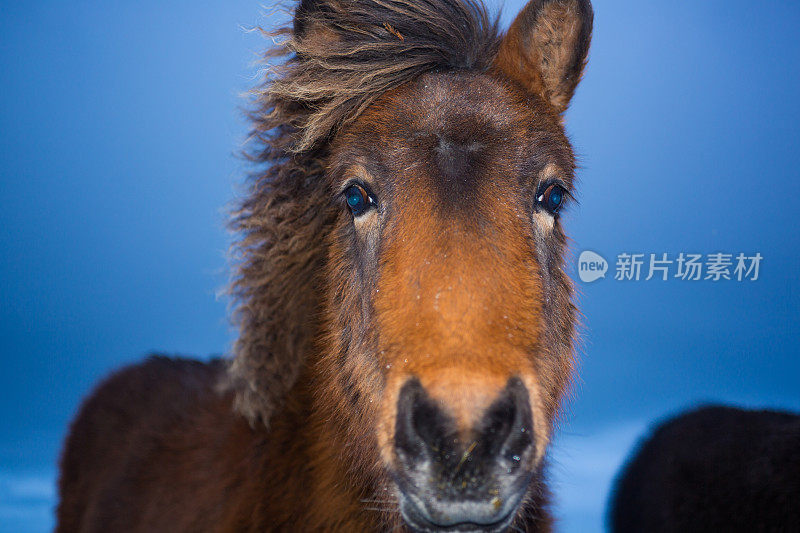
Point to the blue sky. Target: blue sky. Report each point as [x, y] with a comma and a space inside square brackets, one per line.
[119, 125]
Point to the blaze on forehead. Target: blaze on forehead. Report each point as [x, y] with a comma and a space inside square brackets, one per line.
[462, 125]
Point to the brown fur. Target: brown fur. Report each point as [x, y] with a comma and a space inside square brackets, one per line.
[455, 279]
[555, 39]
[340, 59]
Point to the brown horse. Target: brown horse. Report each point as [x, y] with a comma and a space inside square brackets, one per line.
[406, 325]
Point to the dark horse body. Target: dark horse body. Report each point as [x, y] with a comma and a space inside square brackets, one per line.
[156, 448]
[716, 468]
[406, 325]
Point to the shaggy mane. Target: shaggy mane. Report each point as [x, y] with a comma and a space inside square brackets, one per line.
[342, 54]
[338, 57]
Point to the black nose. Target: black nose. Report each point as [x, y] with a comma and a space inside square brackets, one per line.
[450, 475]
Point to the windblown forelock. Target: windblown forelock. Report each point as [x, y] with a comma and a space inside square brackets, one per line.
[342, 54]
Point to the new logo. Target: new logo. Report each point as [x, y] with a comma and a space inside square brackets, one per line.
[591, 266]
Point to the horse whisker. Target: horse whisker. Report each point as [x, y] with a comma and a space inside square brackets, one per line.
[465, 456]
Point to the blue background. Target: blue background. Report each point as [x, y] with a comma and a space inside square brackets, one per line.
[119, 129]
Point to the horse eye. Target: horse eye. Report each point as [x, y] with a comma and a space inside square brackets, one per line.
[552, 198]
[358, 200]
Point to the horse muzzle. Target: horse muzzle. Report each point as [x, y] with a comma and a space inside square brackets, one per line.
[457, 479]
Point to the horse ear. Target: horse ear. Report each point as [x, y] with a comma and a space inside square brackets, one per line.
[545, 48]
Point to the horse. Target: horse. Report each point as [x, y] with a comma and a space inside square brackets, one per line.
[406, 326]
[715, 468]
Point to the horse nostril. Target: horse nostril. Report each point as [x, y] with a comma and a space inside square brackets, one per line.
[497, 424]
[421, 424]
[506, 426]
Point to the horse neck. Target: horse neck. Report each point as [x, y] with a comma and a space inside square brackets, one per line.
[313, 463]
